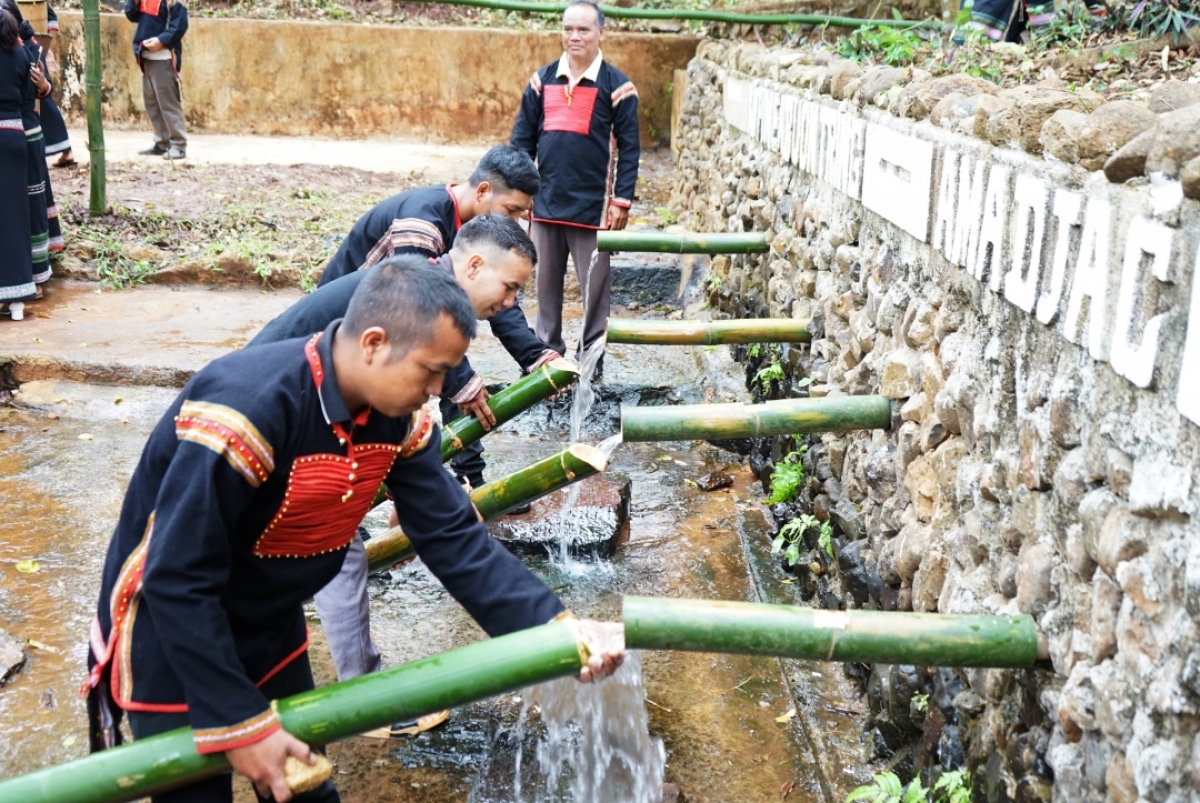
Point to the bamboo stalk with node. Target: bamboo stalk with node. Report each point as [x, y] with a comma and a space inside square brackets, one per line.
[745, 628]
[574, 463]
[449, 679]
[509, 403]
[97, 168]
[751, 242]
[783, 417]
[707, 333]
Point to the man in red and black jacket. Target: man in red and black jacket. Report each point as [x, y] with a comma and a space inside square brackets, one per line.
[579, 119]
[243, 504]
[158, 46]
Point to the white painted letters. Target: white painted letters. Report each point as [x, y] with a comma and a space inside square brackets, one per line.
[1137, 363]
[1021, 283]
[897, 174]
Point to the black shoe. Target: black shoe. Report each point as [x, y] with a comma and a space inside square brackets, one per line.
[363, 534]
[517, 511]
[155, 151]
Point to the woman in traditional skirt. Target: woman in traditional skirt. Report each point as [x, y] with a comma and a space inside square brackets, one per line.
[16, 92]
[53, 126]
[41, 225]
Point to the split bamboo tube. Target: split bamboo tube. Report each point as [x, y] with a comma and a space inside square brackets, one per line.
[577, 461]
[923, 639]
[509, 403]
[707, 333]
[324, 715]
[751, 242]
[783, 417]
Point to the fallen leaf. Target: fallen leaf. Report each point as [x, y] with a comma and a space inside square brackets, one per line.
[37, 340]
[52, 416]
[786, 790]
[37, 645]
[43, 315]
[47, 699]
[87, 436]
[786, 717]
[67, 742]
[117, 400]
[28, 566]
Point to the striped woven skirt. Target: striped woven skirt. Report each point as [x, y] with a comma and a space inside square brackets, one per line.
[54, 128]
[16, 266]
[39, 222]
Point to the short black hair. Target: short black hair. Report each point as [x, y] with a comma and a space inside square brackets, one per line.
[406, 295]
[507, 168]
[593, 5]
[497, 231]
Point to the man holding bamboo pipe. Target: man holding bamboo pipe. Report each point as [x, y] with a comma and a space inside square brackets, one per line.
[491, 259]
[243, 504]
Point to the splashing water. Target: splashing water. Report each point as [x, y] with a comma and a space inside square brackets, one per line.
[598, 738]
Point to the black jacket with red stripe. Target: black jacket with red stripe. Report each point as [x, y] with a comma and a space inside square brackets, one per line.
[585, 143]
[242, 505]
[423, 221]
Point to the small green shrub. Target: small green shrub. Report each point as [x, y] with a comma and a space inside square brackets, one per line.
[786, 478]
[885, 787]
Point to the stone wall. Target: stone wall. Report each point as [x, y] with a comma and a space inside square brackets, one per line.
[1038, 325]
[339, 80]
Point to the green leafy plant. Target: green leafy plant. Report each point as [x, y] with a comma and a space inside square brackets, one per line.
[790, 539]
[786, 478]
[771, 373]
[920, 703]
[885, 787]
[667, 217]
[1155, 18]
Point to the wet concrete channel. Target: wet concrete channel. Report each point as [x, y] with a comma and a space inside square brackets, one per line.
[70, 446]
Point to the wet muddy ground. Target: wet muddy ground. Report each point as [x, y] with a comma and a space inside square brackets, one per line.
[717, 715]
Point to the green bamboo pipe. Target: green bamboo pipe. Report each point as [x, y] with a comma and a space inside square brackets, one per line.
[617, 12]
[505, 405]
[97, 168]
[455, 678]
[574, 463]
[707, 333]
[509, 403]
[658, 242]
[746, 628]
[783, 417]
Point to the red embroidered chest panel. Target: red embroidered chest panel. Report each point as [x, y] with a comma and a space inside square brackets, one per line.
[571, 113]
[327, 496]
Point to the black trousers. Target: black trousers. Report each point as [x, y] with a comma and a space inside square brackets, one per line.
[294, 678]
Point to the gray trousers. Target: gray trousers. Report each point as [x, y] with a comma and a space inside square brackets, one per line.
[553, 242]
[345, 612]
[164, 104]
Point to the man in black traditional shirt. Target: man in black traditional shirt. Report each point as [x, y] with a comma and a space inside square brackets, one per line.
[243, 503]
[491, 259]
[425, 221]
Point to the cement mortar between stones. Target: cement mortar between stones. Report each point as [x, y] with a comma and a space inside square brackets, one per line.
[1024, 473]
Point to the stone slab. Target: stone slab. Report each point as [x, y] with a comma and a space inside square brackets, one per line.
[592, 516]
[145, 336]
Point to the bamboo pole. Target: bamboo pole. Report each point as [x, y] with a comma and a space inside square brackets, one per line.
[97, 167]
[449, 679]
[574, 463]
[703, 15]
[707, 333]
[923, 639]
[783, 417]
[663, 243]
[509, 403]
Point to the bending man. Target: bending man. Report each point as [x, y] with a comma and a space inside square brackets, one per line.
[244, 503]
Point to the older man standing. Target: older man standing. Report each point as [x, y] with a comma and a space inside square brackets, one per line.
[579, 119]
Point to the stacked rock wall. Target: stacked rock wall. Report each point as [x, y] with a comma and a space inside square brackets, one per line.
[1039, 328]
